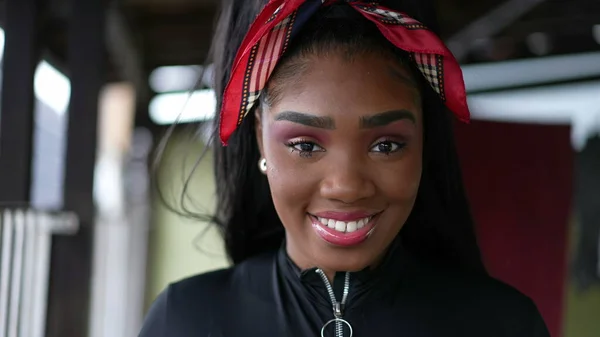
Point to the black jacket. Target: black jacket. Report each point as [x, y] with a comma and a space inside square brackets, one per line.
[269, 296]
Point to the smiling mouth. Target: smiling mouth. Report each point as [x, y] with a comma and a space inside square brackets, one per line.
[344, 233]
[345, 226]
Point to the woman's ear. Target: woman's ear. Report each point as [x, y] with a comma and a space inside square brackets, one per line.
[258, 130]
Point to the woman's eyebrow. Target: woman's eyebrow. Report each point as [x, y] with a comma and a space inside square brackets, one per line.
[385, 118]
[306, 119]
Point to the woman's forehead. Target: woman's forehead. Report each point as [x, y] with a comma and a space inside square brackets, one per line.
[332, 85]
[338, 61]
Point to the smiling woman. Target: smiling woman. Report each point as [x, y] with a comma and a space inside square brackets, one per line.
[354, 221]
[356, 156]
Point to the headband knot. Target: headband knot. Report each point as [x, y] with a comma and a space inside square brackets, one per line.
[274, 27]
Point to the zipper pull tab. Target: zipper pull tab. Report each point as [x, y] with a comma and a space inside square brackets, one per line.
[338, 310]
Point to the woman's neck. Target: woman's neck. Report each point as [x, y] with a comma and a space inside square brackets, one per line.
[304, 261]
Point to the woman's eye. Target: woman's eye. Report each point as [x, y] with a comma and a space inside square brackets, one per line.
[306, 149]
[387, 147]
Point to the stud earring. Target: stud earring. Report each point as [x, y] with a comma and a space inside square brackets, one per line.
[262, 165]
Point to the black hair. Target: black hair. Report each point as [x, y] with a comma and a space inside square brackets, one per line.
[440, 228]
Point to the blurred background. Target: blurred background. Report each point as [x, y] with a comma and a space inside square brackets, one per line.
[89, 89]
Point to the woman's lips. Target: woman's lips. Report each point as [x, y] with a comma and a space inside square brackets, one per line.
[356, 229]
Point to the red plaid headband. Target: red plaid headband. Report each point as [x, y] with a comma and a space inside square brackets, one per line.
[280, 20]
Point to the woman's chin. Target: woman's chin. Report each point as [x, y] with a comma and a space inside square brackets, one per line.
[352, 251]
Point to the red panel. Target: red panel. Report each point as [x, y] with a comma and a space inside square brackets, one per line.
[519, 181]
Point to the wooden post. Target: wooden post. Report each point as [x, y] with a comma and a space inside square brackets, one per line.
[69, 295]
[21, 55]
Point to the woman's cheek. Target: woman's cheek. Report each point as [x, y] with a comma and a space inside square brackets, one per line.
[401, 180]
[289, 180]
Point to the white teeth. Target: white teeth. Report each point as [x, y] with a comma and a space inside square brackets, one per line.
[345, 227]
[351, 227]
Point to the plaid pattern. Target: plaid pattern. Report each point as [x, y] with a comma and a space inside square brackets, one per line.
[390, 17]
[431, 66]
[262, 61]
[278, 22]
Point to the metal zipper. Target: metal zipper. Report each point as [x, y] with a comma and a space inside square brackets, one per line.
[338, 307]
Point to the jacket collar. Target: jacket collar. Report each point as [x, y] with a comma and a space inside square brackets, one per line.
[367, 283]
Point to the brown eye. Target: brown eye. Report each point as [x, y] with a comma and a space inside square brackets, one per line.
[387, 147]
[305, 148]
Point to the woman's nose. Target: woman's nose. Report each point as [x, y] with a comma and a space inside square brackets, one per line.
[347, 181]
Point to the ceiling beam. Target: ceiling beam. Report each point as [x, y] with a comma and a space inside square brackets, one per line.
[530, 72]
[489, 24]
[125, 53]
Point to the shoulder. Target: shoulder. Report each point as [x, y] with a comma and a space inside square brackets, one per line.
[502, 306]
[171, 313]
[471, 288]
[486, 301]
[445, 281]
[196, 304]
[210, 287]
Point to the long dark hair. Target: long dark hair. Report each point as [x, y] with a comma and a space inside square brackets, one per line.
[440, 227]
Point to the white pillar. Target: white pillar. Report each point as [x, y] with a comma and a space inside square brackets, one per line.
[119, 270]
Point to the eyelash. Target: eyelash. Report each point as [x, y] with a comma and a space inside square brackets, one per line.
[400, 146]
[303, 153]
[307, 154]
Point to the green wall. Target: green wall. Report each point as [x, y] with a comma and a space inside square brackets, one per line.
[180, 247]
[582, 317]
[582, 314]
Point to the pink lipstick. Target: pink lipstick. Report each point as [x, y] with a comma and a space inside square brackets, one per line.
[344, 228]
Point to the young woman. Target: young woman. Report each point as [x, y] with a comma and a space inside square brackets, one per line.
[339, 190]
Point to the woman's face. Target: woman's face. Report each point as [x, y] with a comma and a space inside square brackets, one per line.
[343, 144]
